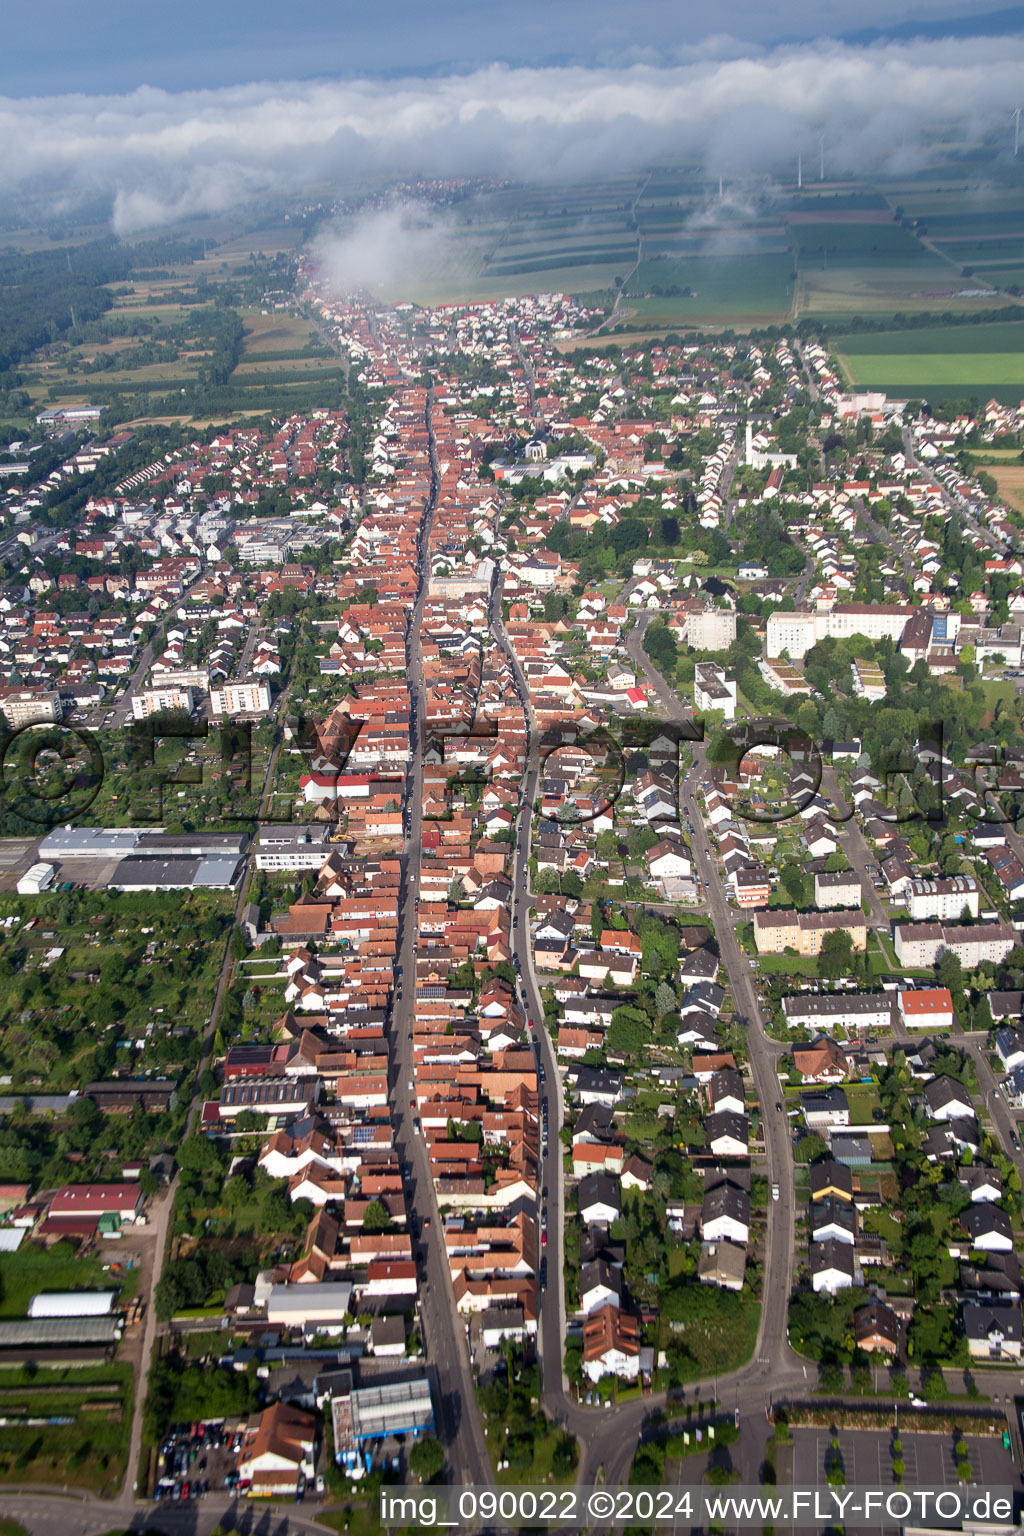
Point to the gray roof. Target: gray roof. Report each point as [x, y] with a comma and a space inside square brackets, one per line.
[987, 1320]
[27, 1332]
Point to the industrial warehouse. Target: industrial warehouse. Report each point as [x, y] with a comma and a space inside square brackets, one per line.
[135, 859]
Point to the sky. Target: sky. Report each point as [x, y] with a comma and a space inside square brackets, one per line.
[114, 46]
[198, 106]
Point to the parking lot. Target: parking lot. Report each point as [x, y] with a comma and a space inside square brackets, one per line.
[929, 1460]
[196, 1459]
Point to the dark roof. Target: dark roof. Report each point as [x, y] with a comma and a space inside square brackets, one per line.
[876, 1317]
[832, 1254]
[725, 1199]
[599, 1187]
[829, 1175]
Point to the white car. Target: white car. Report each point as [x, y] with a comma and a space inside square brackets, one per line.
[775, 1191]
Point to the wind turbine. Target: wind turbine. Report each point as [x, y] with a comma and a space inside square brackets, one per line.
[799, 171]
[1015, 114]
[821, 155]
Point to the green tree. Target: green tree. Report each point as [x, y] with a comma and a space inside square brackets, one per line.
[835, 957]
[376, 1217]
[426, 1459]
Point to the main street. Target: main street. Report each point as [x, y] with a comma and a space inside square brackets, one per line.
[458, 1420]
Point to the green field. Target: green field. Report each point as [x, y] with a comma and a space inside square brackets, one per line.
[723, 287]
[936, 340]
[919, 370]
[860, 241]
[981, 360]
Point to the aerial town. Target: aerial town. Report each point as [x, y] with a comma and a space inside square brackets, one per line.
[512, 927]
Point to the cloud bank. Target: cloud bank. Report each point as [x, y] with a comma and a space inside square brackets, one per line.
[403, 249]
[160, 155]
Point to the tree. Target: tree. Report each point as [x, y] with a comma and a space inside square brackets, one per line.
[574, 1360]
[426, 1459]
[809, 1148]
[664, 998]
[376, 1217]
[197, 1155]
[835, 957]
[565, 1455]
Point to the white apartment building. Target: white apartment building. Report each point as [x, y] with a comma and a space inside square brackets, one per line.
[796, 633]
[153, 700]
[248, 698]
[713, 690]
[714, 629]
[30, 706]
[942, 898]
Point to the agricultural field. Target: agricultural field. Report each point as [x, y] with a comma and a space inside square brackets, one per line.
[936, 361]
[91, 1450]
[1010, 480]
[721, 289]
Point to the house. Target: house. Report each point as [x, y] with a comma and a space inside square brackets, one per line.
[823, 1061]
[832, 1220]
[1010, 1048]
[387, 1337]
[726, 1092]
[833, 1266]
[851, 1148]
[722, 1264]
[697, 1028]
[728, 1134]
[725, 1214]
[700, 965]
[611, 1344]
[996, 1279]
[927, 1008]
[278, 1455]
[981, 1183]
[825, 1110]
[596, 1086]
[829, 1178]
[600, 1286]
[1013, 1087]
[993, 1330]
[989, 1227]
[599, 1199]
[876, 1328]
[837, 889]
[948, 1099]
[667, 860]
[637, 1174]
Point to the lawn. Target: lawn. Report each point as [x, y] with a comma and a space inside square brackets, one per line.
[863, 1100]
[34, 1269]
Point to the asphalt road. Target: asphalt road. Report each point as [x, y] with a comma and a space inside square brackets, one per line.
[458, 1422]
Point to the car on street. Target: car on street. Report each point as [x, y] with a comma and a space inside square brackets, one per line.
[775, 1191]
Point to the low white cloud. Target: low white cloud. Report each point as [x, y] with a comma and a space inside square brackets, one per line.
[159, 155]
[399, 251]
